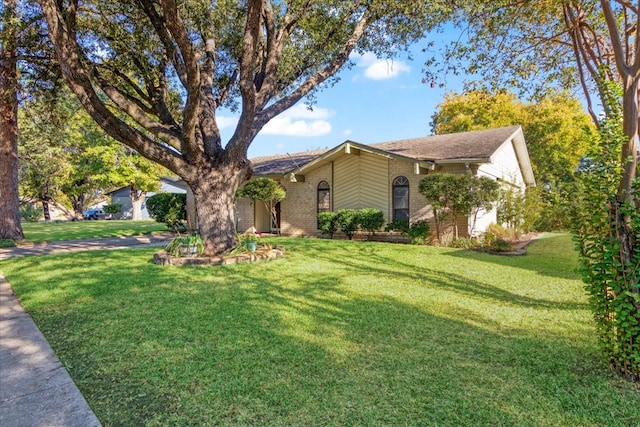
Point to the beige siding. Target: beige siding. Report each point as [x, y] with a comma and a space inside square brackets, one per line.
[360, 181]
[262, 217]
[374, 186]
[346, 174]
[503, 166]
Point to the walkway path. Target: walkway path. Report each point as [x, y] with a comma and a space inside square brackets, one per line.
[35, 389]
[158, 239]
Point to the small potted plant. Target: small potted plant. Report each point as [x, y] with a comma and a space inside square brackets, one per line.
[250, 241]
[189, 245]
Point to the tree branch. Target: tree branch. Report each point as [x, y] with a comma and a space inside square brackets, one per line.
[77, 77]
[191, 109]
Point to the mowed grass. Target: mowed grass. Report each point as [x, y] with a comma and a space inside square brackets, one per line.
[72, 230]
[336, 333]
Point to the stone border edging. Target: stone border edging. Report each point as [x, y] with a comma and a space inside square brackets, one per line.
[262, 254]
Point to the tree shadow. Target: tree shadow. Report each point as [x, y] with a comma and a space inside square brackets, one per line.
[248, 346]
[551, 255]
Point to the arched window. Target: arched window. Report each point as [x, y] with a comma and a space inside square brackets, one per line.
[401, 198]
[324, 197]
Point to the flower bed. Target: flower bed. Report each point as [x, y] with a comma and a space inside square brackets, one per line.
[263, 253]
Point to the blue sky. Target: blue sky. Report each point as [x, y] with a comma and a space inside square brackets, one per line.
[375, 101]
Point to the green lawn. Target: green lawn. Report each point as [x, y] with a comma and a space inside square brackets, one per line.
[73, 230]
[337, 333]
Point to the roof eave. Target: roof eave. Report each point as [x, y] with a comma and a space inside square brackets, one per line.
[348, 145]
[469, 160]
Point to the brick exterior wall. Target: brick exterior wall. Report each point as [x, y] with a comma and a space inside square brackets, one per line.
[298, 210]
[244, 214]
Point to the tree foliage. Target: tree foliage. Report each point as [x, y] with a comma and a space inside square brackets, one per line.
[452, 196]
[594, 45]
[266, 190]
[555, 126]
[169, 208]
[66, 159]
[167, 68]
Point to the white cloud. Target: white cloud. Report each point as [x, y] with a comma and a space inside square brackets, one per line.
[380, 69]
[299, 121]
[225, 121]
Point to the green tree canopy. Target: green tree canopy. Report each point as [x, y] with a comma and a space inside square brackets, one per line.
[453, 196]
[168, 67]
[557, 130]
[68, 160]
[265, 190]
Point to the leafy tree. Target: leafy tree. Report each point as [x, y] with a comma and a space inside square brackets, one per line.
[25, 68]
[265, 190]
[555, 126]
[44, 162]
[454, 196]
[169, 66]
[586, 43]
[476, 110]
[66, 159]
[169, 208]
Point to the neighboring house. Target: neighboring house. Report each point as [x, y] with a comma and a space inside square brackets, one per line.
[122, 196]
[384, 176]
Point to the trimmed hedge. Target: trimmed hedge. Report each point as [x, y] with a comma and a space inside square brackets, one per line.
[169, 208]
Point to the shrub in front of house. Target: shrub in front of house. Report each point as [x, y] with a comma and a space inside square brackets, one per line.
[348, 220]
[371, 219]
[398, 225]
[327, 223]
[418, 232]
[169, 208]
[112, 208]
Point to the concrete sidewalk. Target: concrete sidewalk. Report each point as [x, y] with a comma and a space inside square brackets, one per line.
[35, 389]
[157, 239]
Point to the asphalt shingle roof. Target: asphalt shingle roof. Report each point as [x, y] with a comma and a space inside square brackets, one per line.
[479, 144]
[283, 163]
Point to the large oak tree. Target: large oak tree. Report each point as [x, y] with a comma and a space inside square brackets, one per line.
[136, 59]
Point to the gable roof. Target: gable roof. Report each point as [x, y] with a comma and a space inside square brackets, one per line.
[473, 146]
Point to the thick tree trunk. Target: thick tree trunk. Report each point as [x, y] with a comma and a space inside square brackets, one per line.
[214, 196]
[45, 210]
[137, 197]
[10, 227]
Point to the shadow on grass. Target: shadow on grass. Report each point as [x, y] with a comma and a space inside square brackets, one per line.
[290, 344]
[551, 255]
[419, 271]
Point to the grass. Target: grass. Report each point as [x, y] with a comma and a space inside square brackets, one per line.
[72, 230]
[336, 333]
